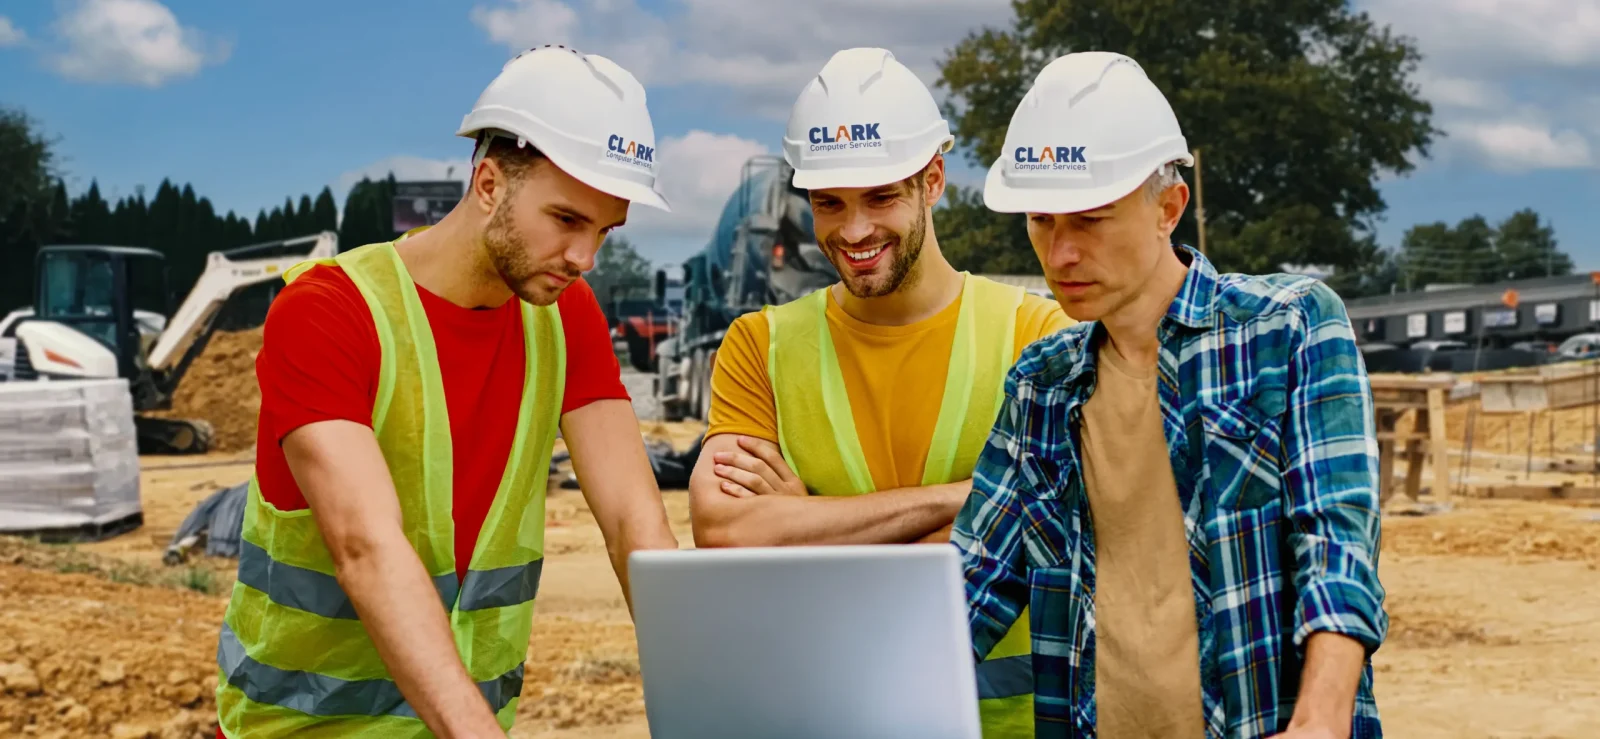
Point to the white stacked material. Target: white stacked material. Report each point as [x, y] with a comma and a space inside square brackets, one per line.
[69, 454]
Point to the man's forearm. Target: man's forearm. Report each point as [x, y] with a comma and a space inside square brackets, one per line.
[645, 531]
[885, 517]
[1328, 683]
[405, 618]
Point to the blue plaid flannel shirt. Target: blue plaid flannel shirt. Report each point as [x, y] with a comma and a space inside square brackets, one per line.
[1268, 417]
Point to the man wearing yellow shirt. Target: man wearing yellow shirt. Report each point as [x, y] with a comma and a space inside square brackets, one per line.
[887, 382]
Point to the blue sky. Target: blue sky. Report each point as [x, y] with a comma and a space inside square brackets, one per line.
[252, 102]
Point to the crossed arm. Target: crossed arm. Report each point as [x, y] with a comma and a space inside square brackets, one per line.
[742, 494]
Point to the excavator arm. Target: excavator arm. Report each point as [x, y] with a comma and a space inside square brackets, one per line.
[226, 272]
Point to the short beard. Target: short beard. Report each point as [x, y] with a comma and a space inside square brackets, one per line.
[903, 272]
[504, 245]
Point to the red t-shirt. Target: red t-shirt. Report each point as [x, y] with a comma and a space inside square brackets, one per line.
[320, 362]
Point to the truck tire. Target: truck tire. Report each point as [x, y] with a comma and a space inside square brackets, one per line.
[639, 353]
[703, 407]
[697, 363]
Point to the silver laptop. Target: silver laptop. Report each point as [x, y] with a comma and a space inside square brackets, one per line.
[834, 642]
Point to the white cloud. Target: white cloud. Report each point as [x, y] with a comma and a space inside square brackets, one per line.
[1510, 80]
[699, 170]
[1514, 146]
[135, 42]
[762, 50]
[1499, 36]
[10, 35]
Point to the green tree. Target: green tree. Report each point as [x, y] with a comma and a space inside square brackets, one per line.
[1297, 108]
[619, 272]
[325, 213]
[27, 174]
[1527, 248]
[1473, 252]
[368, 213]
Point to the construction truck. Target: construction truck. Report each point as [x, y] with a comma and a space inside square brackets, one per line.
[83, 323]
[763, 252]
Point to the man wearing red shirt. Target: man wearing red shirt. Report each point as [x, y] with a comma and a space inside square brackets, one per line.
[407, 416]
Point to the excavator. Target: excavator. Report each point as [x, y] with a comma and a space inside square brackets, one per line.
[83, 323]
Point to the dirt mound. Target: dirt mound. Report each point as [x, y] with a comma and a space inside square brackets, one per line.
[1519, 530]
[220, 387]
[580, 674]
[84, 656]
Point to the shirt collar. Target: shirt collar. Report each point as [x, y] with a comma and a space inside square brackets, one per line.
[1196, 300]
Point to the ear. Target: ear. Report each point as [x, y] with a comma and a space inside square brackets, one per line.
[488, 184]
[1174, 200]
[933, 180]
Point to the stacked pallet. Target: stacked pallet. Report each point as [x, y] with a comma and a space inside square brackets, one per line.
[69, 459]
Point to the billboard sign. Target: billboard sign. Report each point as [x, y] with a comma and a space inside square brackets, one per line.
[1546, 313]
[1455, 322]
[1500, 318]
[424, 203]
[1416, 325]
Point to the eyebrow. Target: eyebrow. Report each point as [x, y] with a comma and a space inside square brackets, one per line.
[580, 216]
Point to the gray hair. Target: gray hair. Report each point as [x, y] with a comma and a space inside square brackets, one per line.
[1164, 177]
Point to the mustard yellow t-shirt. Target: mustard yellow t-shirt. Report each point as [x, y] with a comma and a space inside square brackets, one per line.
[894, 376]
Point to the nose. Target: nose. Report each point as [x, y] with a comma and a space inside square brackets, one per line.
[580, 253]
[1065, 245]
[857, 226]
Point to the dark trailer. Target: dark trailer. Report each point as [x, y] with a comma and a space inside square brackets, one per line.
[1547, 309]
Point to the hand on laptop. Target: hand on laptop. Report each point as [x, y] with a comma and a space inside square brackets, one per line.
[758, 469]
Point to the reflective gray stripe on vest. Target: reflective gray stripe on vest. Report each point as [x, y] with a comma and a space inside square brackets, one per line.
[1005, 677]
[498, 588]
[309, 590]
[320, 695]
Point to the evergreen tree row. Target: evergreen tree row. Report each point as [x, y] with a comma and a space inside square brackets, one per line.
[182, 225]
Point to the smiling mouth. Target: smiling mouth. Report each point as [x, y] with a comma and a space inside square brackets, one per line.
[863, 256]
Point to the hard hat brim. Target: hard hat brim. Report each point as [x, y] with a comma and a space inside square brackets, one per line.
[632, 192]
[827, 178]
[1001, 197]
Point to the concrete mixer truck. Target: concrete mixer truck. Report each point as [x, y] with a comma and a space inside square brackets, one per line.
[763, 252]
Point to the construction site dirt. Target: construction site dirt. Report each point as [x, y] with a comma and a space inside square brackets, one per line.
[1492, 607]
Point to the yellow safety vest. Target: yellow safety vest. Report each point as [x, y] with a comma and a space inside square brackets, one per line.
[294, 657]
[817, 435]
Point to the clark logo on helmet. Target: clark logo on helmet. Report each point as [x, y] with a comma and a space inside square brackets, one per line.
[1055, 158]
[865, 120]
[1088, 101]
[853, 136]
[622, 150]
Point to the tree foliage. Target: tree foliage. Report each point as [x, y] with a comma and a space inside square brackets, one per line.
[1297, 106]
[619, 272]
[1474, 252]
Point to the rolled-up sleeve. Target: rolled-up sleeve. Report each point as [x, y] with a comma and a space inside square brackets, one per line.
[1331, 470]
[989, 532]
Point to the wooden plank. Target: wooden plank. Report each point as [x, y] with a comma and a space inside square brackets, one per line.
[1425, 381]
[1524, 491]
[1404, 435]
[1439, 443]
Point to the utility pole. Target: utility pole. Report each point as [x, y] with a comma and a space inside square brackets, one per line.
[1199, 202]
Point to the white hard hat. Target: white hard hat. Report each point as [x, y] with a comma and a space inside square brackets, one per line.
[1091, 129]
[864, 120]
[583, 111]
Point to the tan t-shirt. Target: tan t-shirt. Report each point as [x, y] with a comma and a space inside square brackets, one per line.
[1147, 662]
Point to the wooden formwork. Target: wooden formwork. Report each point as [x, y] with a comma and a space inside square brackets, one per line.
[1393, 395]
[1552, 387]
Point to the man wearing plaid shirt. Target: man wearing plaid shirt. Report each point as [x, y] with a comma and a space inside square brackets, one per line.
[1182, 487]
